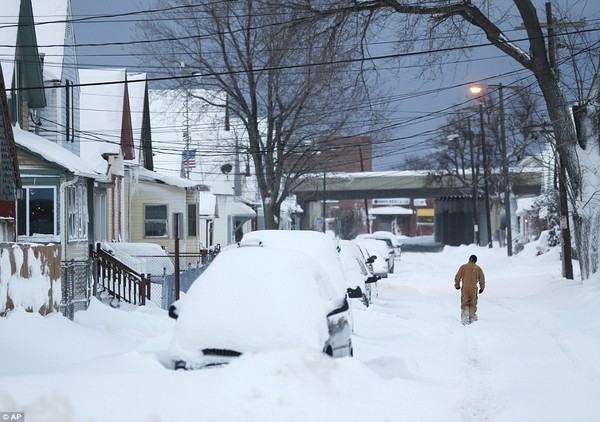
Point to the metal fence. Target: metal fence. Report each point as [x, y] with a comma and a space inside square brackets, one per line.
[76, 286]
[162, 287]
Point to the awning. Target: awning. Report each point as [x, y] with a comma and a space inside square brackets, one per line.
[238, 209]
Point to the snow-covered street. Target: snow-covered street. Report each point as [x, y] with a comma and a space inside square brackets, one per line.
[532, 356]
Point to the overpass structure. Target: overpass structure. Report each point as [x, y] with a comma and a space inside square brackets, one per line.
[401, 184]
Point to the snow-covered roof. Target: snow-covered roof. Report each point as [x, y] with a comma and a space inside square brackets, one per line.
[53, 153]
[101, 113]
[239, 209]
[8, 38]
[394, 210]
[50, 27]
[152, 176]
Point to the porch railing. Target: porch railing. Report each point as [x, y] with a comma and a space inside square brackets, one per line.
[117, 279]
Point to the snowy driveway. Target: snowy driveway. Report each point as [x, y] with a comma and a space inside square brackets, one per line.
[532, 356]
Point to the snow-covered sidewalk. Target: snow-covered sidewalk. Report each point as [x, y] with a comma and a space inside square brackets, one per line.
[532, 356]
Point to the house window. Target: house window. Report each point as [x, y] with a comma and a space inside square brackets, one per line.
[37, 212]
[77, 213]
[192, 216]
[155, 221]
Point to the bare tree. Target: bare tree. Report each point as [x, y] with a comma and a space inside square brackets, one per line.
[287, 79]
[574, 147]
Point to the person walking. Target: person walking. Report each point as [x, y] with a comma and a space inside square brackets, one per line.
[470, 274]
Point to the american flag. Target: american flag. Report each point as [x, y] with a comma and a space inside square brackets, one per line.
[188, 157]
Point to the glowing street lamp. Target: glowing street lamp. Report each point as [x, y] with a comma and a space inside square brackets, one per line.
[476, 89]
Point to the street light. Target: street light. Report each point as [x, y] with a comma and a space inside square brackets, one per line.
[477, 89]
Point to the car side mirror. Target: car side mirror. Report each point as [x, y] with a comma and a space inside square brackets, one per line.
[355, 293]
[173, 312]
[371, 259]
[372, 279]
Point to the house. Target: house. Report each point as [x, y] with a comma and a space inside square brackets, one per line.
[191, 138]
[156, 203]
[55, 181]
[10, 181]
[107, 141]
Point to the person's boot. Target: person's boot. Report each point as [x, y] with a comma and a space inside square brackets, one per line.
[464, 317]
[473, 317]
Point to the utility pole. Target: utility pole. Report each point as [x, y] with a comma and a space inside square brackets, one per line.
[186, 137]
[486, 191]
[324, 203]
[362, 168]
[505, 171]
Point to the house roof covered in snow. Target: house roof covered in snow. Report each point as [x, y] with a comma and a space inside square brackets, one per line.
[53, 153]
[168, 179]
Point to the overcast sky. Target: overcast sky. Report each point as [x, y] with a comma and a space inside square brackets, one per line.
[418, 97]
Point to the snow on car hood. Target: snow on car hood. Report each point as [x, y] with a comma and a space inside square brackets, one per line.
[252, 299]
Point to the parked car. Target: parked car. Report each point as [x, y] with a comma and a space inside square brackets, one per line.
[257, 299]
[381, 246]
[357, 267]
[375, 260]
[391, 239]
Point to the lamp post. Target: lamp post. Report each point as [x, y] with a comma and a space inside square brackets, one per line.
[475, 89]
[504, 153]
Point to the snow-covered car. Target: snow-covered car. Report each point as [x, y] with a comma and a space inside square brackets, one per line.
[379, 248]
[257, 299]
[391, 239]
[357, 268]
[389, 252]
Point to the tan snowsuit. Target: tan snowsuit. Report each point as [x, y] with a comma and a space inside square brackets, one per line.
[470, 274]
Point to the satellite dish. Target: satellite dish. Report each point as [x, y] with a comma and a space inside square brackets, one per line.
[226, 168]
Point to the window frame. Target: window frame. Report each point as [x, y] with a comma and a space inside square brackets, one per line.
[26, 201]
[165, 221]
[77, 213]
[192, 220]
